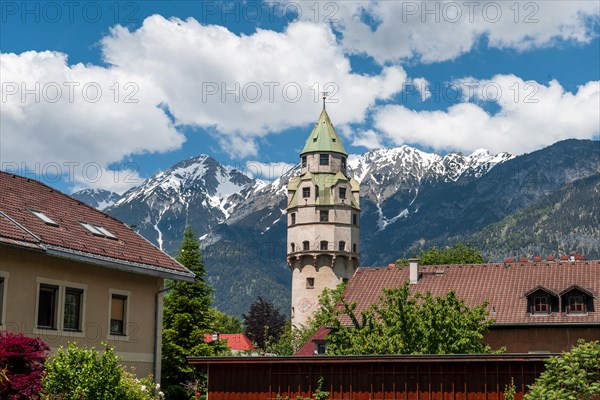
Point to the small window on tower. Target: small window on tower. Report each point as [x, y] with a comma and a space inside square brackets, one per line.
[343, 162]
[293, 246]
[354, 247]
[310, 283]
[324, 159]
[342, 193]
[303, 161]
[305, 192]
[306, 245]
[354, 219]
[342, 246]
[293, 218]
[324, 215]
[324, 244]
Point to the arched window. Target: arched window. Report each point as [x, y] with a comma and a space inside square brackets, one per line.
[342, 246]
[293, 246]
[324, 244]
[306, 245]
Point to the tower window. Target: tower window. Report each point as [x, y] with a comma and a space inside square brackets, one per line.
[324, 159]
[324, 244]
[343, 162]
[324, 215]
[316, 192]
[293, 217]
[303, 161]
[342, 193]
[306, 245]
[293, 246]
[354, 219]
[342, 246]
[306, 192]
[310, 283]
[354, 247]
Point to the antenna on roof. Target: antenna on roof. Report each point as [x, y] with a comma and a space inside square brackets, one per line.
[324, 93]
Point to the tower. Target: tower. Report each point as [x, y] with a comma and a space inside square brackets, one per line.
[323, 216]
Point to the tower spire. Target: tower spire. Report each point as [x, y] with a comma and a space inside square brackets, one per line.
[324, 93]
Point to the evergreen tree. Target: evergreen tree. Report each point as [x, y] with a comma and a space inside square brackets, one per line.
[187, 317]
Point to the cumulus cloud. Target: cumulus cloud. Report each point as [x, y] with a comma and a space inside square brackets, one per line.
[433, 31]
[247, 86]
[530, 116]
[237, 87]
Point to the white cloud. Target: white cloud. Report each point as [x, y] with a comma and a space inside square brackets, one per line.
[247, 86]
[174, 65]
[268, 171]
[442, 30]
[422, 86]
[368, 139]
[66, 119]
[528, 118]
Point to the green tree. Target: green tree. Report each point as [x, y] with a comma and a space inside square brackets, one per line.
[264, 323]
[187, 317]
[459, 253]
[573, 375]
[225, 323]
[405, 324]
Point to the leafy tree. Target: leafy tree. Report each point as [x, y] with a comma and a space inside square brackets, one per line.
[573, 375]
[225, 323]
[405, 324]
[82, 373]
[264, 323]
[187, 316]
[460, 253]
[21, 366]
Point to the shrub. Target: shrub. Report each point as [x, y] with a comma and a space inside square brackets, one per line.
[22, 362]
[84, 373]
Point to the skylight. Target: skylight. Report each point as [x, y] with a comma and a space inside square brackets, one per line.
[47, 220]
[98, 230]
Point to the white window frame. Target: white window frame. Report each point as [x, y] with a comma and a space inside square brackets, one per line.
[4, 275]
[124, 293]
[60, 311]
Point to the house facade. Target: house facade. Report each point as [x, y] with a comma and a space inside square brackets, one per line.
[70, 273]
[323, 220]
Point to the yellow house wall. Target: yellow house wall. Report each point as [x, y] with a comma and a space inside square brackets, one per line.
[24, 269]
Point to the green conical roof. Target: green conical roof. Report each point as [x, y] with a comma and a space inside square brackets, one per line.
[323, 137]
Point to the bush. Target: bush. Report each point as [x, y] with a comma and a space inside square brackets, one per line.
[573, 375]
[22, 364]
[85, 374]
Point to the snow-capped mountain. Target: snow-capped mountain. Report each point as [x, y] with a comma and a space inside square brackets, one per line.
[97, 198]
[409, 198]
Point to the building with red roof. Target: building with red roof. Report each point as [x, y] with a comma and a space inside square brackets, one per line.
[237, 342]
[69, 272]
[539, 306]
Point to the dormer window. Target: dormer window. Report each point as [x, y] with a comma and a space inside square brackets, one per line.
[542, 301]
[541, 305]
[577, 300]
[324, 159]
[305, 193]
[342, 193]
[575, 305]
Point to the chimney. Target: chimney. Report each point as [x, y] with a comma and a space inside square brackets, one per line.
[215, 337]
[414, 271]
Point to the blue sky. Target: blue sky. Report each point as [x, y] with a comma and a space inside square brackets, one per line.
[108, 93]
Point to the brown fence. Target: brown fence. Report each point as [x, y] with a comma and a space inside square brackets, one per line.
[370, 377]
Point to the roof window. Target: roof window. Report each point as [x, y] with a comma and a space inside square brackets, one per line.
[47, 220]
[98, 230]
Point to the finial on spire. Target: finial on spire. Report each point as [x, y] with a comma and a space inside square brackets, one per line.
[324, 93]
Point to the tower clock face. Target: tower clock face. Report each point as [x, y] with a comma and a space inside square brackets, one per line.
[304, 305]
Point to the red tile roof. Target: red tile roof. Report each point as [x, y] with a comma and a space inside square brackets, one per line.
[235, 341]
[308, 349]
[20, 227]
[504, 286]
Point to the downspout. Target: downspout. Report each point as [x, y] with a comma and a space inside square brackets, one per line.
[158, 331]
